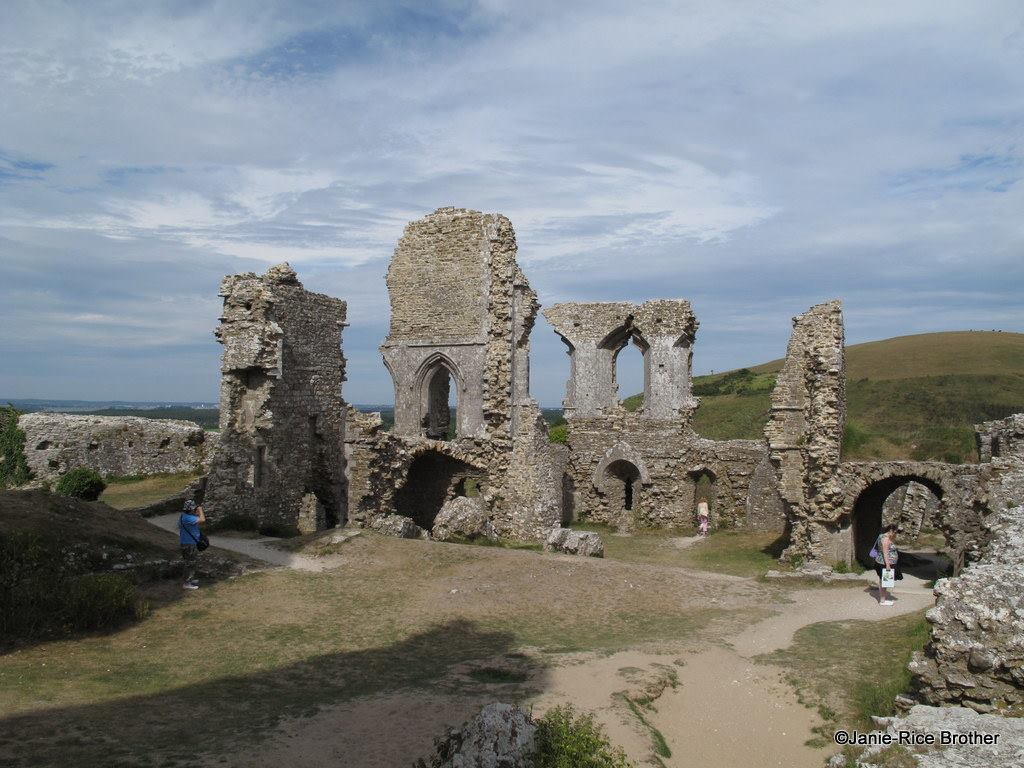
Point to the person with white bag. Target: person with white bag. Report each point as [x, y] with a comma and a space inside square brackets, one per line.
[886, 563]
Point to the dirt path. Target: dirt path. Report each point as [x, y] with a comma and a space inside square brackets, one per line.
[715, 706]
[257, 549]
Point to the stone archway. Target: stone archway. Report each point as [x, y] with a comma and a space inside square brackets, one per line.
[433, 477]
[435, 378]
[866, 515]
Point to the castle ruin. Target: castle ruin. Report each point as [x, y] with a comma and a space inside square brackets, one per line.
[294, 456]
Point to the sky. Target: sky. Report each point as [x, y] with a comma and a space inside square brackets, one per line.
[753, 157]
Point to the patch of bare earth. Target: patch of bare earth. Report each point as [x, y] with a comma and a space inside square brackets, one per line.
[364, 663]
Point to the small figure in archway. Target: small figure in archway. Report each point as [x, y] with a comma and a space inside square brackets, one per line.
[887, 557]
[703, 517]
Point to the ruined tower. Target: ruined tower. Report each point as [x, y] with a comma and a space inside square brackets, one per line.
[281, 459]
[461, 315]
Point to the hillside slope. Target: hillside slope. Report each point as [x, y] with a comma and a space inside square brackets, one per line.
[909, 397]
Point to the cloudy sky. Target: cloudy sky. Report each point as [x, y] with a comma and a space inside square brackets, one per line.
[754, 157]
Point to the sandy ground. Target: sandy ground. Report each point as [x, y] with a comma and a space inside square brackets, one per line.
[724, 710]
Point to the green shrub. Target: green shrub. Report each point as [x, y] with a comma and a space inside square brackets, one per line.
[559, 434]
[13, 467]
[565, 740]
[39, 594]
[81, 483]
[98, 601]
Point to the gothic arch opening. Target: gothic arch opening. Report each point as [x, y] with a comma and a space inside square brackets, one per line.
[630, 364]
[911, 503]
[439, 401]
[432, 479]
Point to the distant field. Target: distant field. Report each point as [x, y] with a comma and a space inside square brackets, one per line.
[910, 397]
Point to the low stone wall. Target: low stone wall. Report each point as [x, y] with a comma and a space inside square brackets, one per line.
[975, 657]
[113, 445]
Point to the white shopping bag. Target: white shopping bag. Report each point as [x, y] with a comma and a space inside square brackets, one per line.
[888, 577]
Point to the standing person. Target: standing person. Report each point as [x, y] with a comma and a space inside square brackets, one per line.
[703, 516]
[191, 518]
[886, 556]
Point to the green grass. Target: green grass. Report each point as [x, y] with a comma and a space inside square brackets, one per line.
[131, 492]
[851, 670]
[910, 397]
[738, 553]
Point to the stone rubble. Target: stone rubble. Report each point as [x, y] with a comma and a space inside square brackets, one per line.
[399, 526]
[924, 721]
[570, 542]
[463, 518]
[499, 736]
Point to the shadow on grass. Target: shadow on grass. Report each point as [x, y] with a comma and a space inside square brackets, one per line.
[218, 717]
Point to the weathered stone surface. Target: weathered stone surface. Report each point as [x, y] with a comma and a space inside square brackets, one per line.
[966, 724]
[583, 543]
[462, 311]
[1001, 438]
[500, 736]
[975, 656]
[805, 426]
[113, 445]
[643, 468]
[463, 517]
[282, 419]
[399, 526]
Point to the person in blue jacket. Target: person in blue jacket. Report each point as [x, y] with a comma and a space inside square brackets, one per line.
[191, 518]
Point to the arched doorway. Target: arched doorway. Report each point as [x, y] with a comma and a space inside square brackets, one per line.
[622, 484]
[911, 503]
[433, 478]
[439, 401]
[704, 489]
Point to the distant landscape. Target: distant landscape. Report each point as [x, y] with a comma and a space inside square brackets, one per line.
[909, 397]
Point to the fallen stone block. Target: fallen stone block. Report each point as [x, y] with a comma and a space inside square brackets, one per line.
[463, 517]
[572, 542]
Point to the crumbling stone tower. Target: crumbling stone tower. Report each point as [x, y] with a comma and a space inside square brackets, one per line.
[281, 459]
[461, 315]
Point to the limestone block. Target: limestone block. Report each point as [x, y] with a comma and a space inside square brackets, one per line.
[397, 525]
[500, 736]
[572, 542]
[463, 517]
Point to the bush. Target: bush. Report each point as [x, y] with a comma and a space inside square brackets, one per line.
[558, 434]
[82, 483]
[13, 467]
[565, 740]
[98, 601]
[39, 595]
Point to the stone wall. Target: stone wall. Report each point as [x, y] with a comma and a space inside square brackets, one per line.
[113, 445]
[461, 308]
[805, 429]
[1004, 437]
[643, 468]
[282, 417]
[975, 656]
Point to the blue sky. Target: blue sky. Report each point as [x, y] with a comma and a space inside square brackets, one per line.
[753, 157]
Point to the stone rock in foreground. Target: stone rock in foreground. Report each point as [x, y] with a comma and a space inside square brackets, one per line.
[463, 517]
[965, 725]
[398, 525]
[500, 736]
[572, 542]
[975, 657]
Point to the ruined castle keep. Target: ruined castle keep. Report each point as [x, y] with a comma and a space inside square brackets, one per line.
[294, 456]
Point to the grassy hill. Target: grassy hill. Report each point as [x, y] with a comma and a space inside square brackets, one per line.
[909, 397]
